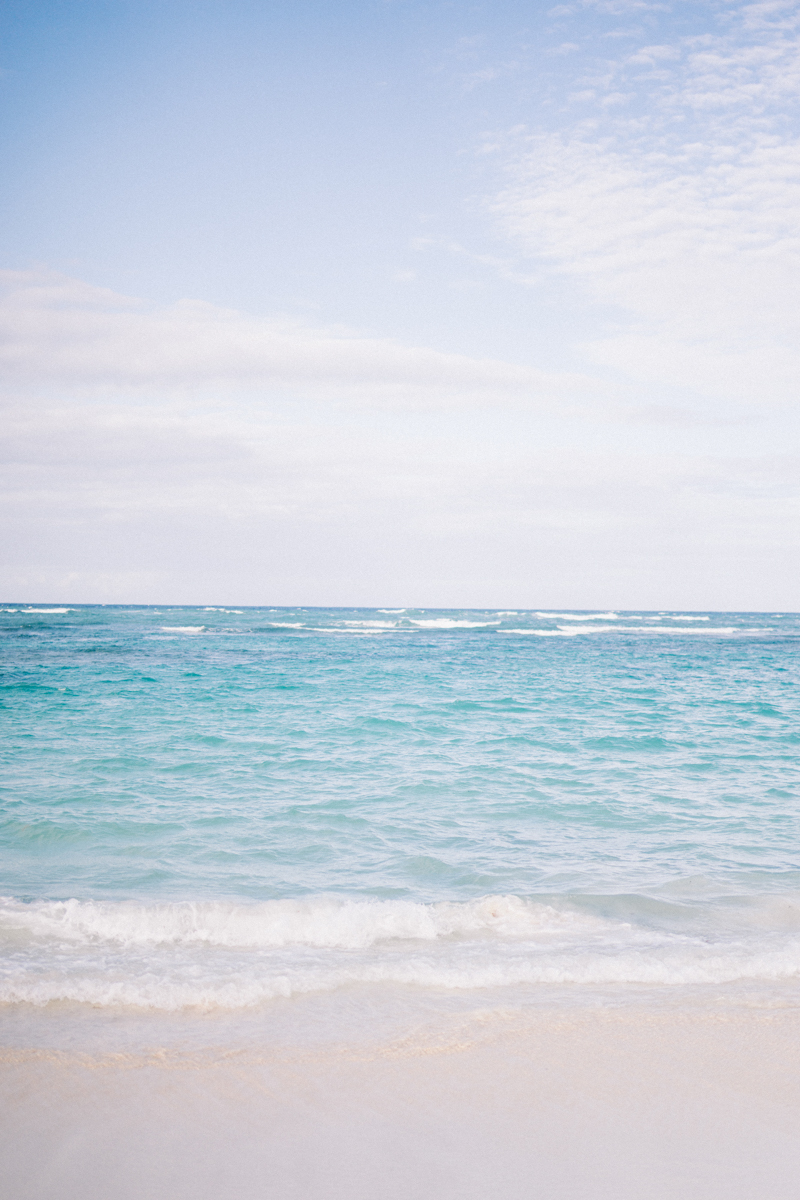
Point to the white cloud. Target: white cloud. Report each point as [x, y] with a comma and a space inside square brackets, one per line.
[56, 330]
[193, 454]
[677, 219]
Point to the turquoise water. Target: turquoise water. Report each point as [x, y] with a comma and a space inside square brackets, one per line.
[218, 806]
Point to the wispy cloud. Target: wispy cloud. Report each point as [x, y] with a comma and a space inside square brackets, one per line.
[677, 214]
[61, 331]
[145, 433]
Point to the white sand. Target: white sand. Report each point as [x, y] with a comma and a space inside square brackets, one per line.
[629, 1104]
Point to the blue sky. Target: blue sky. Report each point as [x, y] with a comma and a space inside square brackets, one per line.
[435, 304]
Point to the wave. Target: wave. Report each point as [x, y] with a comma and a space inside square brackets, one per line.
[448, 623]
[182, 628]
[677, 617]
[171, 991]
[544, 632]
[371, 624]
[322, 921]
[664, 629]
[661, 630]
[172, 994]
[341, 923]
[42, 610]
[555, 616]
[226, 955]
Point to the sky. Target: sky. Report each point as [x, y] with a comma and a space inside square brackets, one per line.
[435, 304]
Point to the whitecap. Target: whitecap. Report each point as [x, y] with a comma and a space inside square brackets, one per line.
[555, 616]
[543, 632]
[447, 623]
[319, 921]
[47, 610]
[371, 624]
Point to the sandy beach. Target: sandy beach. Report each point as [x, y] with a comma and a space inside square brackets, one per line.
[630, 1104]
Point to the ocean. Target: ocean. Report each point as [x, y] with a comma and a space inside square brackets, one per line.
[325, 903]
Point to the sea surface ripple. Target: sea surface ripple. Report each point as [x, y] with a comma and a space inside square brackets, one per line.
[564, 768]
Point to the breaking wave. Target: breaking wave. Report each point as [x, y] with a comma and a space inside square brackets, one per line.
[223, 955]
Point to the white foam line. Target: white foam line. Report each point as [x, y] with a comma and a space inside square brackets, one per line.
[556, 616]
[46, 610]
[320, 921]
[447, 623]
[543, 632]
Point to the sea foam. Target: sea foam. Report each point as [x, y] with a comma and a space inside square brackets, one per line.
[226, 955]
